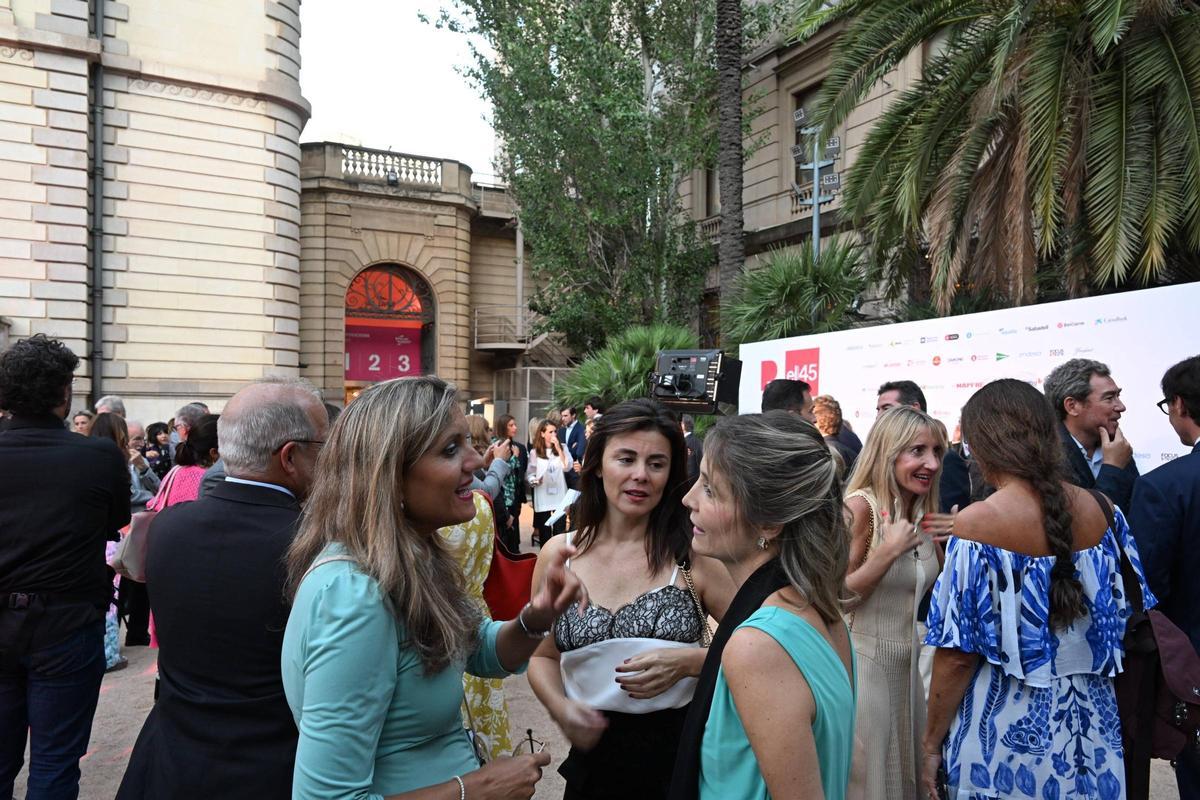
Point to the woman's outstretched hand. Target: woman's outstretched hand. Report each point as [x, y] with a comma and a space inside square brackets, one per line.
[560, 588]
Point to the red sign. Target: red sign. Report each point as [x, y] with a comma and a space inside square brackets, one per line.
[798, 365]
[375, 353]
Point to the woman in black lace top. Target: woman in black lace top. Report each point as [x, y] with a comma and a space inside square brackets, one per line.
[618, 677]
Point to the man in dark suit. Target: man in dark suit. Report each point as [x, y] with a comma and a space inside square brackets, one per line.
[62, 496]
[954, 488]
[1088, 403]
[1165, 520]
[215, 572]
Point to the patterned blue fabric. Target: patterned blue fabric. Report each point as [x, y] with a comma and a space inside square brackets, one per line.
[1039, 718]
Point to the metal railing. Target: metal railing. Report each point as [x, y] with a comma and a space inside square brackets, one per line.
[507, 325]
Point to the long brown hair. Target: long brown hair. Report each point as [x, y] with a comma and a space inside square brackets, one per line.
[667, 534]
[1011, 429]
[539, 441]
[111, 426]
[781, 472]
[357, 499]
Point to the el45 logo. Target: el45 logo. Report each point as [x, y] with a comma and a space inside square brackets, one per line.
[798, 365]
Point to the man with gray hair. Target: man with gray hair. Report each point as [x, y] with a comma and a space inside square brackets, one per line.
[186, 418]
[217, 589]
[110, 404]
[1088, 403]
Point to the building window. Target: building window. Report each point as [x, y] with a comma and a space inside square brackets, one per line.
[805, 100]
[712, 191]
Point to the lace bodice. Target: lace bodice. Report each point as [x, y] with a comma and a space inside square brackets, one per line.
[666, 613]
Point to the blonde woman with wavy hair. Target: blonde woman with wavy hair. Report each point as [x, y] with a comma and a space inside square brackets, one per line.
[382, 627]
[890, 500]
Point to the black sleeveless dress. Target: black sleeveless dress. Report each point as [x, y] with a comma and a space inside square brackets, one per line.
[636, 753]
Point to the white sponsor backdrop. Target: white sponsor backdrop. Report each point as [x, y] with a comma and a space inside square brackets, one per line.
[1138, 334]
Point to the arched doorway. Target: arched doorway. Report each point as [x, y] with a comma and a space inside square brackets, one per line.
[389, 326]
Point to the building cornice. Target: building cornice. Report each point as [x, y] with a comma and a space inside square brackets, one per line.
[273, 90]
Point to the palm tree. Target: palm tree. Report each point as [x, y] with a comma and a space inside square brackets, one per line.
[795, 294]
[620, 370]
[731, 249]
[1060, 133]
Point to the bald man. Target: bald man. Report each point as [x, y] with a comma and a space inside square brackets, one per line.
[217, 589]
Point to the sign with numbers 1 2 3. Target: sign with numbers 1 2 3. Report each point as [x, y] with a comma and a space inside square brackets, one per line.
[379, 353]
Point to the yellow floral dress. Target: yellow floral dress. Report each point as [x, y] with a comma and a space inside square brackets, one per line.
[484, 697]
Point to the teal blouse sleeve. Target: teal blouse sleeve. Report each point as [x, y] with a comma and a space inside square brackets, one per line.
[350, 661]
[484, 662]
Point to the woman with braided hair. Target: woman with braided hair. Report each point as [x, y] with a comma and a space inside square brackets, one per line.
[1028, 616]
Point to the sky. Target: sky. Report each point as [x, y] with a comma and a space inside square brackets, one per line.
[377, 76]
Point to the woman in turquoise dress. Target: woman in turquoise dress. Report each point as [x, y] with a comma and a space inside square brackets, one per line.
[773, 712]
[1028, 617]
[382, 627]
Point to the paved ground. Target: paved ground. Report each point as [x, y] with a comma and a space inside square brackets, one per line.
[126, 697]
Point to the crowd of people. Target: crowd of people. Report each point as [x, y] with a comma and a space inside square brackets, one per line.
[776, 609]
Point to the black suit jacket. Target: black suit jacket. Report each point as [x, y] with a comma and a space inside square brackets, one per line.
[62, 497]
[954, 488]
[1165, 520]
[215, 575]
[1113, 481]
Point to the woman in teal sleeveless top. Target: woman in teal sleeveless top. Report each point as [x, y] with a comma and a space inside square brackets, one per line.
[775, 716]
[728, 765]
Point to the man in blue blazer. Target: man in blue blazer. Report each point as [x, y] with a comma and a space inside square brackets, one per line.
[571, 434]
[1165, 520]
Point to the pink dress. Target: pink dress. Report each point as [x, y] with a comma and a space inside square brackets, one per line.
[183, 486]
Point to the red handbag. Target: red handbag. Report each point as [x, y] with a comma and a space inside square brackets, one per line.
[509, 582]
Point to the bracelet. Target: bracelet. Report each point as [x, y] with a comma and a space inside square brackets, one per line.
[539, 635]
[462, 788]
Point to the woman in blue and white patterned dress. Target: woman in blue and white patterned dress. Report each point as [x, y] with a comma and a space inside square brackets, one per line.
[1028, 616]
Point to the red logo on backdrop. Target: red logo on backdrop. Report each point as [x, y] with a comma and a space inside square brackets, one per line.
[375, 353]
[798, 365]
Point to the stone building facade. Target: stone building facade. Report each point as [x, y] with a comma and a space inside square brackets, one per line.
[780, 78]
[222, 252]
[200, 113]
[411, 245]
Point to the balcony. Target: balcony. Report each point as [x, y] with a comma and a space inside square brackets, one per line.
[364, 166]
[510, 329]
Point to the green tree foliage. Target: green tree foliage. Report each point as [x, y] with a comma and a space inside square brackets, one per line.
[621, 369]
[793, 294]
[602, 107]
[1060, 134]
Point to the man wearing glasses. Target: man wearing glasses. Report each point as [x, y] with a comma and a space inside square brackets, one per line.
[216, 574]
[1165, 520]
[1088, 403]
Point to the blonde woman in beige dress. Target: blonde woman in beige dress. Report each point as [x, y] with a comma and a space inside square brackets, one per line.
[893, 563]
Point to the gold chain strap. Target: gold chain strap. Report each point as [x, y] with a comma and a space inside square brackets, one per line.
[867, 554]
[705, 631]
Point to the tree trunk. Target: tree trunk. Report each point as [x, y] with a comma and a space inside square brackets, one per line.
[731, 250]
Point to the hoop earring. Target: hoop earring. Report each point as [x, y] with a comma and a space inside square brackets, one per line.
[762, 543]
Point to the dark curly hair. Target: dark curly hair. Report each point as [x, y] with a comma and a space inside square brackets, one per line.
[35, 375]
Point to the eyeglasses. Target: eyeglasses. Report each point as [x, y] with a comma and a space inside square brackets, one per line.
[1164, 406]
[133, 439]
[529, 744]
